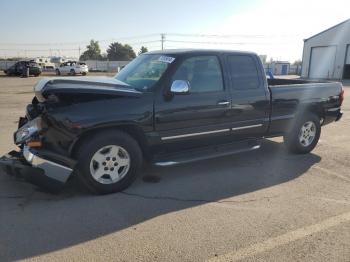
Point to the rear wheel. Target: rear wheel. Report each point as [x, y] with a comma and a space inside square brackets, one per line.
[108, 162]
[304, 135]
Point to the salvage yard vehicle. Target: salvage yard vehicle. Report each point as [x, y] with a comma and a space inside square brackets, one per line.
[165, 108]
[18, 68]
[72, 68]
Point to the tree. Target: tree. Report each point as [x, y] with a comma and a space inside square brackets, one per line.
[118, 52]
[143, 50]
[297, 62]
[93, 51]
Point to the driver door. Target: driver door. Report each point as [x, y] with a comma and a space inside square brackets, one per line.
[200, 117]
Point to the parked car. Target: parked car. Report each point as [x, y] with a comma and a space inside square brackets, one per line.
[18, 68]
[167, 108]
[72, 68]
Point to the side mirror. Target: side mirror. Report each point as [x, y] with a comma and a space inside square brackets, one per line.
[180, 87]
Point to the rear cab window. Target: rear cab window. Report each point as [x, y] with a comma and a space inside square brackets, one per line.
[243, 72]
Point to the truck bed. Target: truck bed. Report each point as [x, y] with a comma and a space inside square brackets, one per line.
[292, 96]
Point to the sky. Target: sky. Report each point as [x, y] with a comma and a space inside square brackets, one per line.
[270, 27]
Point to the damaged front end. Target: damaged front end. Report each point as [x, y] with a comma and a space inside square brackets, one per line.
[49, 129]
[35, 169]
[32, 161]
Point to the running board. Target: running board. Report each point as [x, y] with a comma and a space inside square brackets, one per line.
[206, 153]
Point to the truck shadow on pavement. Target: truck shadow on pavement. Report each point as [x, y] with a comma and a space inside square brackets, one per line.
[34, 223]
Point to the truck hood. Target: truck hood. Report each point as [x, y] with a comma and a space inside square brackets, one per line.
[83, 85]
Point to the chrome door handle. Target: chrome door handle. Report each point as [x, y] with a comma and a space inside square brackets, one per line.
[223, 103]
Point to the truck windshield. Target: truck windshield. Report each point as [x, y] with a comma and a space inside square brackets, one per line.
[144, 71]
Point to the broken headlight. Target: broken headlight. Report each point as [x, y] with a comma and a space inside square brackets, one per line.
[28, 130]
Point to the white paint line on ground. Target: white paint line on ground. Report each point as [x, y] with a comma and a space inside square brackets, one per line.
[284, 239]
[332, 173]
[332, 200]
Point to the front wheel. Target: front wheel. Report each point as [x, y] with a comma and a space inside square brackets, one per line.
[304, 135]
[108, 162]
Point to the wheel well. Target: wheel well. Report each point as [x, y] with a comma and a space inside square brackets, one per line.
[132, 130]
[317, 110]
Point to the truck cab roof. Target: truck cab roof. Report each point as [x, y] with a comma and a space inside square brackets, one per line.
[198, 51]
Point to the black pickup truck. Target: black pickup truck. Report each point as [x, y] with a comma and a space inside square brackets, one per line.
[166, 108]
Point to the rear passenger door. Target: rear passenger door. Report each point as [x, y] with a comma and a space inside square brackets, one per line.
[250, 97]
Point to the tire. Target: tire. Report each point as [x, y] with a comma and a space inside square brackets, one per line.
[84, 73]
[58, 73]
[97, 154]
[304, 135]
[72, 72]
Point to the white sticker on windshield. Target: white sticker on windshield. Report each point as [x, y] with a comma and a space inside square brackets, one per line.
[166, 59]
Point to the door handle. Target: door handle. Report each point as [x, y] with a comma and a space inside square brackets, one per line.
[223, 103]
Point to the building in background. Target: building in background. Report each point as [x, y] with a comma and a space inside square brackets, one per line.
[58, 60]
[45, 63]
[278, 67]
[326, 55]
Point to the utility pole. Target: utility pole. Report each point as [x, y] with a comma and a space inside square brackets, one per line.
[162, 39]
[79, 53]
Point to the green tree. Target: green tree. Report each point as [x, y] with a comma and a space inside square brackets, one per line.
[143, 50]
[93, 51]
[119, 52]
[298, 62]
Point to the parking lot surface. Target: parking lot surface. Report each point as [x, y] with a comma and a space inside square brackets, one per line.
[266, 205]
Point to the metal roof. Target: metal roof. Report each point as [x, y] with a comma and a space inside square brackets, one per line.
[348, 20]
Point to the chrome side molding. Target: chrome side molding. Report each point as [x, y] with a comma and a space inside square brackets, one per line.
[196, 134]
[245, 127]
[210, 132]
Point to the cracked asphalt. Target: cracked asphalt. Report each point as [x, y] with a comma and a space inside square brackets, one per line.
[266, 205]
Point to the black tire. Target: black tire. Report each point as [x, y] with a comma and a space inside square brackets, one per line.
[292, 140]
[72, 72]
[84, 73]
[92, 145]
[58, 72]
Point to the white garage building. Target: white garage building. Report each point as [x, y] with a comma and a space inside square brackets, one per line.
[326, 55]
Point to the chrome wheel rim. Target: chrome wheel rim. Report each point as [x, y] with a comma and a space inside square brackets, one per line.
[307, 133]
[110, 164]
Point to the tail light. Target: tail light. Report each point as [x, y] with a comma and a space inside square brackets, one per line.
[341, 97]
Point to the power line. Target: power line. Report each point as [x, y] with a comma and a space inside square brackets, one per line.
[82, 42]
[221, 43]
[227, 36]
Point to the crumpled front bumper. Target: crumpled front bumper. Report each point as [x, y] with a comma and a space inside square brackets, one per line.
[36, 169]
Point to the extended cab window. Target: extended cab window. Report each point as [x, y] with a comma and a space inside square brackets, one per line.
[243, 72]
[202, 72]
